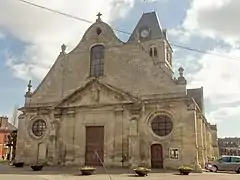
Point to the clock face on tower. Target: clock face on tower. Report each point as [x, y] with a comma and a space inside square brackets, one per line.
[144, 32]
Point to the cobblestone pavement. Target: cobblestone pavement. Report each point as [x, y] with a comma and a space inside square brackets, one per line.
[71, 173]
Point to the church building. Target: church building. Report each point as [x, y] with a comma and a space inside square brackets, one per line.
[117, 103]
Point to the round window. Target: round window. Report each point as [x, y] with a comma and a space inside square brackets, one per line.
[99, 31]
[162, 125]
[39, 128]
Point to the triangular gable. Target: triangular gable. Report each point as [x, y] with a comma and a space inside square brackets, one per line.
[95, 92]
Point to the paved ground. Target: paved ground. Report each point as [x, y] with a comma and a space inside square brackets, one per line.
[71, 173]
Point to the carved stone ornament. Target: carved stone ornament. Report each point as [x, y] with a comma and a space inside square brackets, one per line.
[191, 107]
[95, 91]
[119, 97]
[135, 109]
[21, 117]
[57, 114]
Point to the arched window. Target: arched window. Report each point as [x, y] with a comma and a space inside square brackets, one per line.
[155, 52]
[97, 64]
[151, 52]
[39, 128]
[162, 125]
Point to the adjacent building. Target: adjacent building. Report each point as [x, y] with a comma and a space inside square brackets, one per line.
[229, 146]
[5, 129]
[118, 103]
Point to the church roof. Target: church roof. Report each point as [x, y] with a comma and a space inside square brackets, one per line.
[197, 94]
[151, 21]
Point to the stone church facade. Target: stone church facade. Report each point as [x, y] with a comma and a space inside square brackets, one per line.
[116, 103]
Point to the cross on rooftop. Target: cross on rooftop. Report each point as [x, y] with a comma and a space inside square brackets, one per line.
[99, 16]
[29, 85]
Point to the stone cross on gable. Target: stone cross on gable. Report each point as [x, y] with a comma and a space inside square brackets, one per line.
[29, 85]
[99, 17]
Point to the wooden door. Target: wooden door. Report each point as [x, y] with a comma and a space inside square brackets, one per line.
[156, 156]
[94, 145]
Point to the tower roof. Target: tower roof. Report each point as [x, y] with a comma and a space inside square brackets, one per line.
[151, 21]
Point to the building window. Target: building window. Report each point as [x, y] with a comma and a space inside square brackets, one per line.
[153, 52]
[39, 128]
[162, 125]
[5, 139]
[98, 31]
[97, 64]
[174, 153]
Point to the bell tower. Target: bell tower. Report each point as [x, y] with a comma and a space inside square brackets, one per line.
[153, 38]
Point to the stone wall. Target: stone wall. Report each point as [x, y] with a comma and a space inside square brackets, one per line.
[134, 86]
[127, 66]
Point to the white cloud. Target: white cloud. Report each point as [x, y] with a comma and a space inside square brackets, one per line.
[225, 113]
[2, 35]
[219, 76]
[220, 80]
[214, 18]
[180, 34]
[45, 31]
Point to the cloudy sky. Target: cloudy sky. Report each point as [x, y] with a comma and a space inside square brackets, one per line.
[30, 40]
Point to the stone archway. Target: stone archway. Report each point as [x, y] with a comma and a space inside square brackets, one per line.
[157, 156]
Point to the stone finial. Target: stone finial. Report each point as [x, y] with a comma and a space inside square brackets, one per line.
[181, 70]
[181, 79]
[29, 86]
[99, 17]
[63, 47]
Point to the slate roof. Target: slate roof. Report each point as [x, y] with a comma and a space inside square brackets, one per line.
[197, 94]
[150, 20]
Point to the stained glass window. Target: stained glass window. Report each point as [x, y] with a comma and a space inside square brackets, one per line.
[162, 125]
[97, 64]
[39, 128]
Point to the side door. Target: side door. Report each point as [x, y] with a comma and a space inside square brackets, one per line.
[235, 163]
[224, 163]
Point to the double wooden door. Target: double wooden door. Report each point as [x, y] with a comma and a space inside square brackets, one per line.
[94, 153]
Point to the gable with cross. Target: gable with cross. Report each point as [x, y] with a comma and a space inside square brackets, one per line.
[99, 17]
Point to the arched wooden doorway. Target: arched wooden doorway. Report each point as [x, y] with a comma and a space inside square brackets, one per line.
[157, 156]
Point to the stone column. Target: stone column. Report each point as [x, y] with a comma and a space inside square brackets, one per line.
[118, 137]
[214, 141]
[52, 145]
[209, 142]
[69, 137]
[134, 148]
[204, 140]
[200, 141]
[20, 138]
